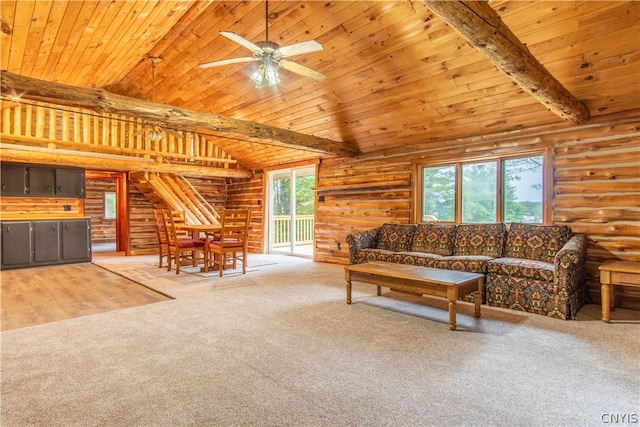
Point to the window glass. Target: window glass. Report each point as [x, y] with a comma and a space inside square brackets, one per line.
[523, 189]
[439, 192]
[479, 192]
[109, 205]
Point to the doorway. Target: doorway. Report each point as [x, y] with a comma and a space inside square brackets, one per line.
[292, 211]
[105, 205]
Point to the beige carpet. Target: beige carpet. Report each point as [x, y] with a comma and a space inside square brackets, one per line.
[279, 347]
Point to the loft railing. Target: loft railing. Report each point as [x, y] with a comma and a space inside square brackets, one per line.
[80, 129]
[282, 230]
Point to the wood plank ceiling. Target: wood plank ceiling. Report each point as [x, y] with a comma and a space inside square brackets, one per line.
[397, 74]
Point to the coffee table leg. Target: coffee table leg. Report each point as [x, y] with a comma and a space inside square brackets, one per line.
[478, 298]
[605, 294]
[452, 315]
[379, 293]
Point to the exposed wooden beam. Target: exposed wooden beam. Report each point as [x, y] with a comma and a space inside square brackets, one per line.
[482, 27]
[105, 102]
[107, 149]
[112, 162]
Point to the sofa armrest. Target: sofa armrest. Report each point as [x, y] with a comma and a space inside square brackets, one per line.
[570, 265]
[362, 240]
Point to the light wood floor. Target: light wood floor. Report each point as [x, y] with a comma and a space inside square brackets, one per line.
[38, 295]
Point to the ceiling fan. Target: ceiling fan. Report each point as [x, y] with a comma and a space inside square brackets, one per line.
[270, 53]
[152, 131]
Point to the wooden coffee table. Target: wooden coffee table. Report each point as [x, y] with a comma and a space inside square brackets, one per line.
[447, 284]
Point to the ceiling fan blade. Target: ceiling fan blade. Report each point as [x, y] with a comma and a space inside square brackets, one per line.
[300, 48]
[301, 69]
[173, 133]
[242, 41]
[140, 132]
[228, 61]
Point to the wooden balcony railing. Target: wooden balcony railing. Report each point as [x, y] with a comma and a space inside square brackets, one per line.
[282, 229]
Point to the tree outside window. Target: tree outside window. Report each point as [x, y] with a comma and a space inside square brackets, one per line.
[109, 205]
[439, 193]
[521, 193]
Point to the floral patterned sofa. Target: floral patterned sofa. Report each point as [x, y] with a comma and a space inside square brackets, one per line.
[533, 268]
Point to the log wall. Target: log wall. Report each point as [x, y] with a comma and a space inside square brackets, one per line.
[102, 230]
[143, 239]
[40, 208]
[250, 193]
[596, 189]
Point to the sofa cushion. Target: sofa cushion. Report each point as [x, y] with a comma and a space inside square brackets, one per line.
[470, 263]
[434, 239]
[520, 267]
[370, 255]
[396, 237]
[480, 239]
[536, 242]
[422, 259]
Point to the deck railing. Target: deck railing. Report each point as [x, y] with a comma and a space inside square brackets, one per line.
[282, 229]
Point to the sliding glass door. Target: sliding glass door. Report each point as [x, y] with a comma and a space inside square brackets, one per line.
[291, 210]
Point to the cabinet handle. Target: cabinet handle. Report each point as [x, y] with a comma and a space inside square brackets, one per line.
[53, 227]
[48, 188]
[4, 186]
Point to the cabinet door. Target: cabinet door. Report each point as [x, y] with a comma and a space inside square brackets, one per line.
[70, 182]
[46, 241]
[13, 180]
[76, 243]
[16, 244]
[42, 181]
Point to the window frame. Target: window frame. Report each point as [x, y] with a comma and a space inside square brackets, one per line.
[547, 183]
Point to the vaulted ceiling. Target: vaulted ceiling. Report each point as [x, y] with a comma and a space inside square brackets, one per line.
[397, 74]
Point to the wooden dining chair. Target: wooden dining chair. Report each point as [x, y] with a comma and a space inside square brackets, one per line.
[181, 246]
[161, 231]
[230, 244]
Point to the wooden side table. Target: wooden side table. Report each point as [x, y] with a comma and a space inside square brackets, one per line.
[616, 273]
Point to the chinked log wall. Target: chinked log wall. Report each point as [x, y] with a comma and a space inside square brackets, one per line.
[143, 239]
[596, 188]
[102, 230]
[249, 194]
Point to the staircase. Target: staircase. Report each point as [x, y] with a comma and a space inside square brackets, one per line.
[171, 191]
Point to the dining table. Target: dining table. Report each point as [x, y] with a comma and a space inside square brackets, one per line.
[197, 231]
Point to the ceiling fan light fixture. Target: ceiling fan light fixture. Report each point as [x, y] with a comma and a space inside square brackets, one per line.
[265, 75]
[154, 135]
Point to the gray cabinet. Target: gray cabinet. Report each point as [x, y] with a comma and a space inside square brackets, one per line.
[76, 240]
[42, 181]
[14, 180]
[45, 242]
[70, 182]
[16, 249]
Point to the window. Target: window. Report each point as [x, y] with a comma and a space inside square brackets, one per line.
[439, 190]
[109, 205]
[479, 192]
[508, 189]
